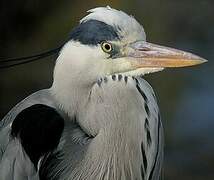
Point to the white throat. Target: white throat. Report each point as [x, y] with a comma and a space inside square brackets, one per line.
[74, 75]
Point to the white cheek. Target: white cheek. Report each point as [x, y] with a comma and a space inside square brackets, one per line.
[78, 61]
[79, 52]
[119, 65]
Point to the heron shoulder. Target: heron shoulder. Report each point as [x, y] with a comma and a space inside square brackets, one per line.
[39, 129]
[34, 132]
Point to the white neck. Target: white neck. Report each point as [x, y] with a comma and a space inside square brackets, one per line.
[74, 75]
[115, 152]
[116, 148]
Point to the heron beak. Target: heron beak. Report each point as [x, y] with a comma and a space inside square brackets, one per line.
[143, 54]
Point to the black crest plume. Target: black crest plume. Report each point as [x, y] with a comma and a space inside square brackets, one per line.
[11, 62]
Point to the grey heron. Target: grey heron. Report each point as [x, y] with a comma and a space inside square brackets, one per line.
[100, 118]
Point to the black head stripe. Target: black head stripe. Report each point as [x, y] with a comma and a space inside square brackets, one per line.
[93, 32]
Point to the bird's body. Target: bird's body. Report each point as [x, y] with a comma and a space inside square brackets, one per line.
[99, 120]
[131, 152]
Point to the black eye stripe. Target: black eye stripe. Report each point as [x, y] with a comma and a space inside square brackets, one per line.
[93, 32]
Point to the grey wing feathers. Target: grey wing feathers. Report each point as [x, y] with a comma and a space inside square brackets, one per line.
[28, 132]
[15, 164]
[147, 93]
[37, 140]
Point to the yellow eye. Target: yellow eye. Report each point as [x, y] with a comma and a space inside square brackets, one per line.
[106, 47]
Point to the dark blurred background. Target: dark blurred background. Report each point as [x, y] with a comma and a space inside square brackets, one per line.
[186, 95]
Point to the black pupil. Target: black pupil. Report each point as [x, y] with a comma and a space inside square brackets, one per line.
[107, 47]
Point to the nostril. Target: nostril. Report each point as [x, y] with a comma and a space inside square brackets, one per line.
[144, 49]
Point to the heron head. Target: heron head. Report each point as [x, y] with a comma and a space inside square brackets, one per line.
[108, 41]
